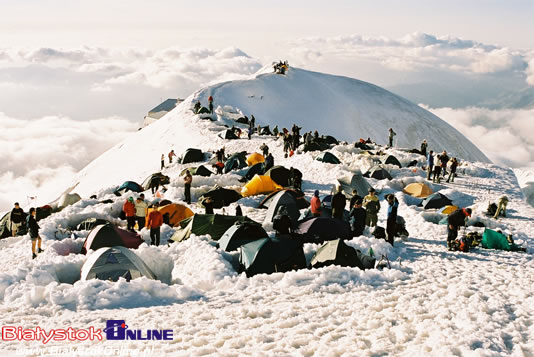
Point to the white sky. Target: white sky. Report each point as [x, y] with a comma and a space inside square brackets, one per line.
[256, 26]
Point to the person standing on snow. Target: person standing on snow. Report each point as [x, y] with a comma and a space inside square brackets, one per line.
[162, 161]
[391, 225]
[338, 204]
[210, 103]
[456, 219]
[429, 164]
[129, 211]
[265, 150]
[188, 180]
[141, 209]
[444, 159]
[390, 136]
[437, 169]
[315, 204]
[454, 165]
[17, 217]
[269, 162]
[372, 207]
[155, 221]
[357, 218]
[424, 146]
[171, 155]
[33, 229]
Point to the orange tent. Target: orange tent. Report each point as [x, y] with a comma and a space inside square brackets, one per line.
[175, 211]
[418, 189]
[254, 158]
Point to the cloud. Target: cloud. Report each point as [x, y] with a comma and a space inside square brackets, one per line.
[40, 156]
[505, 136]
[420, 51]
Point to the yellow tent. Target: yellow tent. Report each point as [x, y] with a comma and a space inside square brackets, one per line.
[175, 211]
[259, 185]
[418, 189]
[254, 158]
[448, 209]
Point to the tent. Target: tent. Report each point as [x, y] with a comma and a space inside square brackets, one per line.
[270, 255]
[255, 158]
[253, 170]
[265, 130]
[418, 189]
[203, 110]
[5, 226]
[435, 200]
[242, 120]
[391, 160]
[336, 252]
[280, 175]
[90, 223]
[68, 199]
[495, 240]
[163, 180]
[355, 182]
[330, 140]
[108, 235]
[192, 155]
[42, 212]
[378, 173]
[227, 134]
[328, 157]
[113, 263]
[240, 234]
[362, 146]
[236, 161]
[320, 229]
[128, 186]
[448, 210]
[299, 196]
[197, 171]
[213, 224]
[259, 185]
[221, 196]
[286, 199]
[173, 213]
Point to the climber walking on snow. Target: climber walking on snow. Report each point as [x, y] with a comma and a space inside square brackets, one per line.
[391, 135]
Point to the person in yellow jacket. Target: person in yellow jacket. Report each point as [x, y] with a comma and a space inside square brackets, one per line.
[372, 206]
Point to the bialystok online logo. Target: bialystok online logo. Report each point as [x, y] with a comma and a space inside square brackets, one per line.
[115, 330]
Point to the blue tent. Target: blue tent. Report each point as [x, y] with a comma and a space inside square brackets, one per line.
[128, 186]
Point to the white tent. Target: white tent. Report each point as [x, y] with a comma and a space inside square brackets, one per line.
[68, 199]
[114, 263]
[355, 182]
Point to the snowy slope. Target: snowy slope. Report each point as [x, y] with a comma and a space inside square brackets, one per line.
[344, 107]
[431, 302]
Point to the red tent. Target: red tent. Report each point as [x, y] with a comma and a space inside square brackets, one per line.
[108, 235]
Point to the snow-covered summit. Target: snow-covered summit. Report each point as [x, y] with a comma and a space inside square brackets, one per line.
[340, 106]
[344, 107]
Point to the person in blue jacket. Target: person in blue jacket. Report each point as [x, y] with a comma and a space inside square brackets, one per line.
[429, 164]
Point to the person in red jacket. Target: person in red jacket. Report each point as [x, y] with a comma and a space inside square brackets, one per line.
[210, 104]
[155, 221]
[129, 211]
[315, 204]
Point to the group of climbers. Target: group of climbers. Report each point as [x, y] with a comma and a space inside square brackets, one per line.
[280, 67]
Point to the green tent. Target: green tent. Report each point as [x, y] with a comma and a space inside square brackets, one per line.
[336, 252]
[240, 234]
[328, 157]
[495, 240]
[213, 224]
[271, 255]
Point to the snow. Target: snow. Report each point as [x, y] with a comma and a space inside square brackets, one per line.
[431, 301]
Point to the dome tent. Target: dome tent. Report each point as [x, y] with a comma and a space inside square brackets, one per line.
[355, 182]
[259, 185]
[418, 189]
[107, 235]
[435, 200]
[254, 159]
[221, 196]
[213, 224]
[112, 263]
[173, 213]
[241, 233]
[192, 155]
[68, 199]
[271, 255]
[128, 186]
[328, 157]
[336, 252]
[283, 198]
